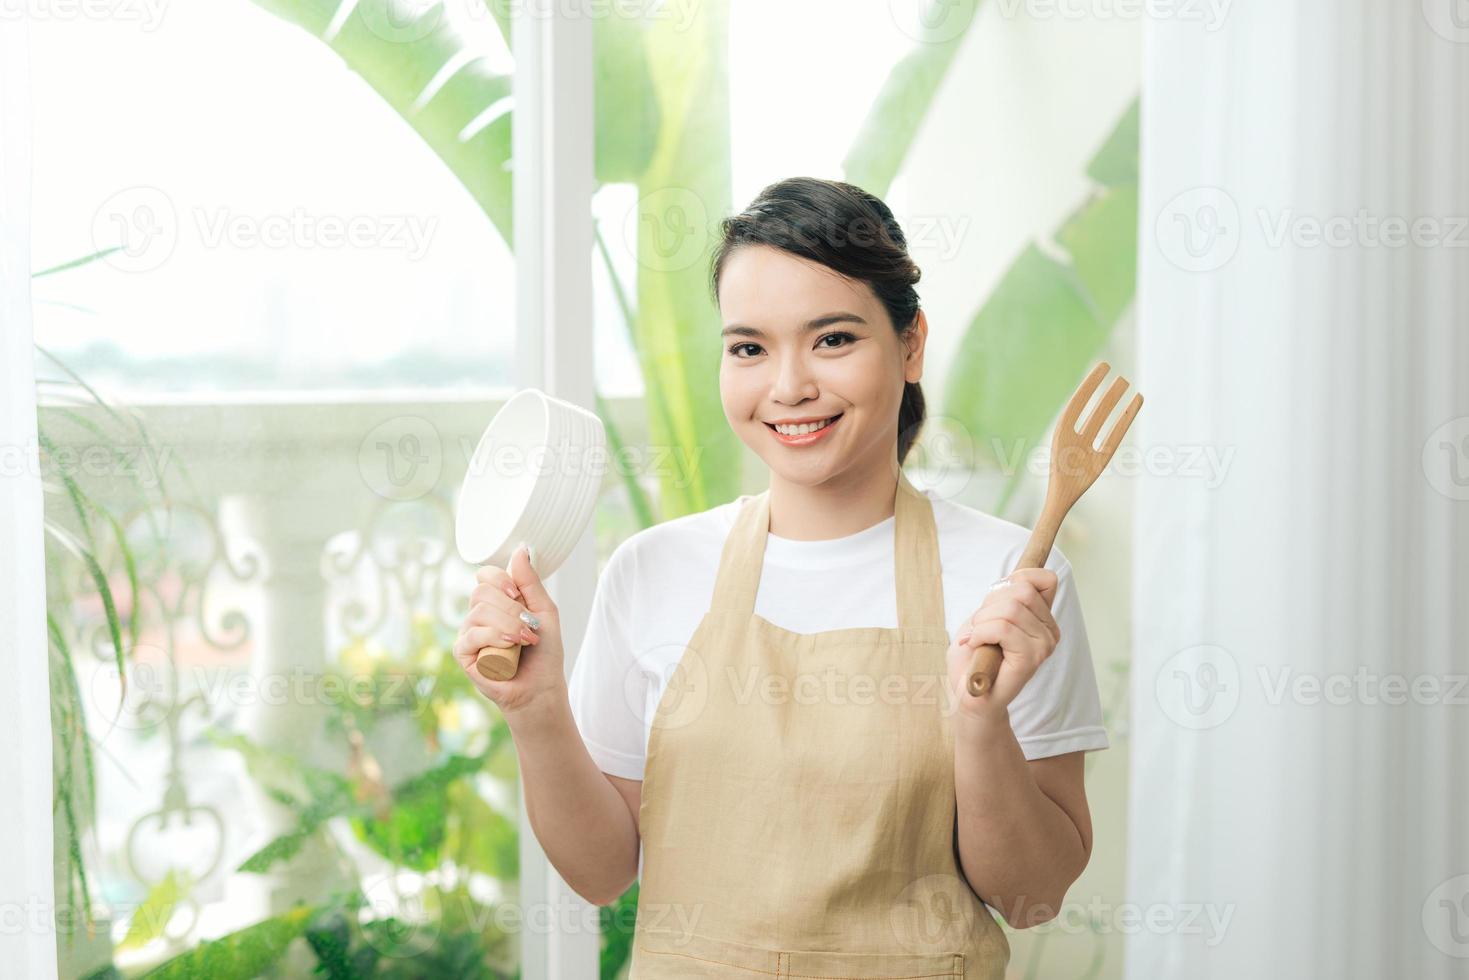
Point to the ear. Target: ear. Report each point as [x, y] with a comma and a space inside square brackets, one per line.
[916, 340]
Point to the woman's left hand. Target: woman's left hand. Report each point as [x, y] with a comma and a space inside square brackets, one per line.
[1016, 616]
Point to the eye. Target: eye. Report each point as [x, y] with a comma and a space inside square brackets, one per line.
[838, 333]
[734, 349]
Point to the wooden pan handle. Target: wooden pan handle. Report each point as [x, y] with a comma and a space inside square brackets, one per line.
[498, 663]
[983, 668]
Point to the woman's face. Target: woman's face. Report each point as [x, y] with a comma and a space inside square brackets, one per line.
[804, 344]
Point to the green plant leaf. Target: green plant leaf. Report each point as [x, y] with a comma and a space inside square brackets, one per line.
[902, 104]
[413, 832]
[152, 915]
[1115, 164]
[77, 263]
[641, 505]
[400, 48]
[1101, 238]
[128, 418]
[282, 848]
[681, 197]
[404, 50]
[618, 922]
[627, 110]
[99, 582]
[480, 837]
[241, 955]
[1015, 363]
[1042, 326]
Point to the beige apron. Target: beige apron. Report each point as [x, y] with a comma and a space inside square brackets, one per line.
[798, 797]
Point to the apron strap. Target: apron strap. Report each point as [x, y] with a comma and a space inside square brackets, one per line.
[916, 567]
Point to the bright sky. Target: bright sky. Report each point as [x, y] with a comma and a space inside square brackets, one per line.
[220, 126]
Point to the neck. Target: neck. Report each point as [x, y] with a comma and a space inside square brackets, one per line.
[851, 502]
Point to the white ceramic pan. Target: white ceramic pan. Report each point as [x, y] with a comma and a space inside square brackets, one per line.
[534, 478]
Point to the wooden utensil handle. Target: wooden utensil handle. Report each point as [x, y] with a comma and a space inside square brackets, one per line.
[985, 664]
[498, 663]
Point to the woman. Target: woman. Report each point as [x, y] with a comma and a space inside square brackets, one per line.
[767, 723]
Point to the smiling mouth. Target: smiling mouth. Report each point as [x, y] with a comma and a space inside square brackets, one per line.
[804, 431]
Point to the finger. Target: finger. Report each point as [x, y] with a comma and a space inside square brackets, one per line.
[532, 589]
[499, 578]
[994, 632]
[475, 639]
[1036, 603]
[1043, 580]
[1013, 618]
[493, 594]
[507, 620]
[1025, 591]
[1021, 614]
[1010, 619]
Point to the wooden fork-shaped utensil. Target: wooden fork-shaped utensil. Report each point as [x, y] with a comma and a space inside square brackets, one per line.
[1075, 466]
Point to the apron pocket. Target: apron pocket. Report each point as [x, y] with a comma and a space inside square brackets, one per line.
[697, 957]
[682, 955]
[814, 965]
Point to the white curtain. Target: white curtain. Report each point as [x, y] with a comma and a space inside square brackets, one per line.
[27, 941]
[1300, 790]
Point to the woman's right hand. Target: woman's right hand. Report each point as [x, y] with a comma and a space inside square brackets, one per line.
[499, 597]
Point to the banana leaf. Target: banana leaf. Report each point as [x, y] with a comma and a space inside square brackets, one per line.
[1042, 327]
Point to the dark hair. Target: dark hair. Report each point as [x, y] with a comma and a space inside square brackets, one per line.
[848, 230]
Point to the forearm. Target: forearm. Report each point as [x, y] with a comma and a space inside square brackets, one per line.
[582, 823]
[1019, 850]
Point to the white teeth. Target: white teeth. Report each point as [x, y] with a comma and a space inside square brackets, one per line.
[800, 430]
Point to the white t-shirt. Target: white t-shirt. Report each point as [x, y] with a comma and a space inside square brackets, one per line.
[657, 585]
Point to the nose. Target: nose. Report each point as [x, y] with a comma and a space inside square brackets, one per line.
[793, 381]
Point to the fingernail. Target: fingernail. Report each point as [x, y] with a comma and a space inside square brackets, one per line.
[964, 637]
[526, 636]
[511, 590]
[529, 619]
[509, 639]
[530, 558]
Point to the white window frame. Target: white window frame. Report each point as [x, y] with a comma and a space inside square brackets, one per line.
[27, 892]
[552, 154]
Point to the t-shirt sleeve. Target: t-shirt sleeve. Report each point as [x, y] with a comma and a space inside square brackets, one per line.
[1060, 709]
[607, 686]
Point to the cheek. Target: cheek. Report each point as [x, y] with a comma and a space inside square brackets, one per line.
[739, 392]
[869, 382]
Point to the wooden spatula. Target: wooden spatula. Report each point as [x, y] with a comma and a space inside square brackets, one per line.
[1075, 466]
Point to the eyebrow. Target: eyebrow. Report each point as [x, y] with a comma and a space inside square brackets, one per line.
[825, 320]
